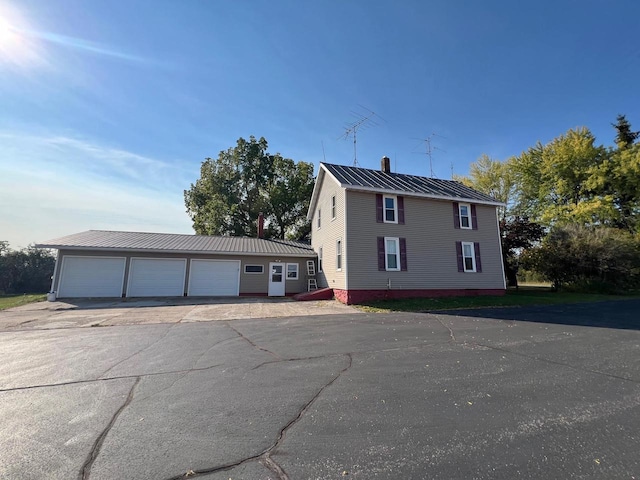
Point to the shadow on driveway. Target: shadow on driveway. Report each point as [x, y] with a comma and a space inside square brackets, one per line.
[621, 314]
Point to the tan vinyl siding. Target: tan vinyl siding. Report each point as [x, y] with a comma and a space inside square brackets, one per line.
[329, 232]
[249, 283]
[431, 246]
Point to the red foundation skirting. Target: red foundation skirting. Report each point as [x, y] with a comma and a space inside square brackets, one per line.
[351, 297]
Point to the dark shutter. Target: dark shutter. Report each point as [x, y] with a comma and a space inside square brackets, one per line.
[456, 215]
[474, 218]
[381, 263]
[476, 248]
[403, 254]
[460, 258]
[379, 208]
[401, 210]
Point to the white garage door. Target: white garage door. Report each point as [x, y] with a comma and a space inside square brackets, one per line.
[91, 276]
[156, 277]
[214, 278]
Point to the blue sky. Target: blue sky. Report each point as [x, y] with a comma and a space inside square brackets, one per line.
[107, 109]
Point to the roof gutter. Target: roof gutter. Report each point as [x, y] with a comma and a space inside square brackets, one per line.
[181, 252]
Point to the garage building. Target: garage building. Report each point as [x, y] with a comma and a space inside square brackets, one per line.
[133, 264]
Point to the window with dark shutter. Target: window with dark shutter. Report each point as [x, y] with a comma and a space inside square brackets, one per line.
[403, 254]
[476, 248]
[460, 257]
[381, 253]
[456, 215]
[474, 217]
[379, 208]
[401, 210]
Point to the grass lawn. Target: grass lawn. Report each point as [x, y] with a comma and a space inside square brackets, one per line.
[527, 295]
[8, 301]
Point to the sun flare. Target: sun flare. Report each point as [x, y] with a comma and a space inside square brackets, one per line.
[16, 47]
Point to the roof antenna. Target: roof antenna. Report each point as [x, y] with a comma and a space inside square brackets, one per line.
[429, 150]
[363, 118]
[324, 158]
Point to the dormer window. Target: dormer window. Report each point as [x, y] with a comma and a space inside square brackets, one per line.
[390, 209]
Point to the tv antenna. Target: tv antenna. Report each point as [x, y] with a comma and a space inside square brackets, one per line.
[429, 149]
[363, 119]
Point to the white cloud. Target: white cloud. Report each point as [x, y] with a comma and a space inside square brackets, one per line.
[56, 185]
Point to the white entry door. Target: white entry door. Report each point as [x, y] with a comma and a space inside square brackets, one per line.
[276, 279]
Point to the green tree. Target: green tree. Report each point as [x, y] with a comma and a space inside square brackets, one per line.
[25, 271]
[494, 178]
[587, 258]
[625, 137]
[554, 181]
[245, 181]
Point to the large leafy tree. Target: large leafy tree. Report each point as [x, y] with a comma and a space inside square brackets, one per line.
[553, 181]
[497, 179]
[245, 181]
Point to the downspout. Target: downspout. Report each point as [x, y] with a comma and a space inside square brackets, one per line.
[504, 278]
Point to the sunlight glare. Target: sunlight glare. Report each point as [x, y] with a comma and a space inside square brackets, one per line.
[16, 48]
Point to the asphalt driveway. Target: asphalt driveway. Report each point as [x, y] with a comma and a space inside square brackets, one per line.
[549, 392]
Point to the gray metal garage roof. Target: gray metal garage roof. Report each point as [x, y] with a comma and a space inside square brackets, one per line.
[176, 243]
[378, 180]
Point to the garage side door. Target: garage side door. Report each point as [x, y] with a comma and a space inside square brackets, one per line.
[91, 276]
[156, 277]
[212, 278]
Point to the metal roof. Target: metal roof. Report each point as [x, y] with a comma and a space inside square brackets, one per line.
[357, 178]
[177, 243]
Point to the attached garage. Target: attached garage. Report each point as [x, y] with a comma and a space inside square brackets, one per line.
[214, 278]
[100, 263]
[156, 277]
[91, 276]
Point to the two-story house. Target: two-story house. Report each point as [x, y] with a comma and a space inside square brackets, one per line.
[380, 234]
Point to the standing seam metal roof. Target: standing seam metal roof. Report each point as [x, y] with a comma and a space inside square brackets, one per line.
[170, 242]
[379, 180]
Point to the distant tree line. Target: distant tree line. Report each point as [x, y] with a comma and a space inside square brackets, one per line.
[25, 271]
[573, 209]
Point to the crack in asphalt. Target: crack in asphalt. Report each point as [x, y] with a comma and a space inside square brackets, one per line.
[552, 362]
[108, 379]
[451, 334]
[252, 343]
[138, 352]
[85, 471]
[264, 457]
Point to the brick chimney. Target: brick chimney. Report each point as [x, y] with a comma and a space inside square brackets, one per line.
[260, 225]
[385, 164]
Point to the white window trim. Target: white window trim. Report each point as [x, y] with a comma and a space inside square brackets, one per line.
[333, 207]
[319, 224]
[384, 208]
[339, 254]
[460, 205]
[253, 265]
[473, 257]
[320, 258]
[287, 271]
[386, 255]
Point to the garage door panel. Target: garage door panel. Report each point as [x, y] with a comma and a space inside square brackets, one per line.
[213, 278]
[91, 277]
[156, 277]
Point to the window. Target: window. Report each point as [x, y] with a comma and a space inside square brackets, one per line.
[465, 215]
[333, 207]
[319, 212]
[392, 253]
[468, 256]
[254, 269]
[339, 255]
[320, 260]
[390, 210]
[292, 271]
